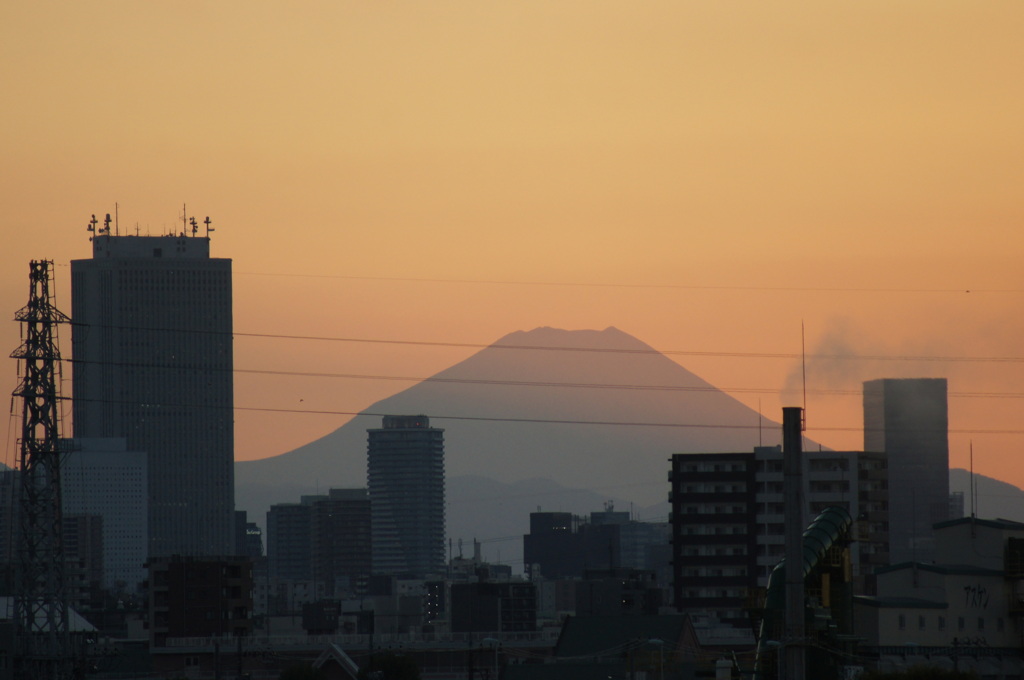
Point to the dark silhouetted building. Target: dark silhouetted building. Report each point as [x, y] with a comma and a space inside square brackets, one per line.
[248, 536]
[340, 541]
[152, 351]
[405, 478]
[199, 597]
[323, 539]
[504, 607]
[907, 419]
[289, 541]
[623, 591]
[561, 545]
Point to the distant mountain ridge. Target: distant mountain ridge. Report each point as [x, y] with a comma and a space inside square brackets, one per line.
[534, 430]
[994, 499]
[527, 398]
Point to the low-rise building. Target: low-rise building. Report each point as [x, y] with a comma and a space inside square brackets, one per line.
[197, 597]
[965, 609]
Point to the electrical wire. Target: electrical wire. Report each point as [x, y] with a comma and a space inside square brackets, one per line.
[513, 383]
[548, 348]
[544, 421]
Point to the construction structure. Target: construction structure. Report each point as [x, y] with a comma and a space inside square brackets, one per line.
[43, 643]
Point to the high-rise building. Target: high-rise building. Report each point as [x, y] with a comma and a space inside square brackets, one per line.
[405, 473]
[728, 520]
[907, 419]
[151, 341]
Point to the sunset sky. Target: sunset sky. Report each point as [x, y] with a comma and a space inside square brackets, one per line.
[706, 176]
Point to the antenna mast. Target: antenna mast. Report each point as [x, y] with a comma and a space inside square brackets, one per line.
[40, 600]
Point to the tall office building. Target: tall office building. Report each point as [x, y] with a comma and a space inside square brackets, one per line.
[152, 351]
[405, 474]
[907, 419]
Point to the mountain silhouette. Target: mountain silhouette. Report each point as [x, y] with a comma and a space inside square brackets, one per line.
[593, 410]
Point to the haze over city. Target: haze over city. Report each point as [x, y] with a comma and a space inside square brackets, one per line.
[425, 179]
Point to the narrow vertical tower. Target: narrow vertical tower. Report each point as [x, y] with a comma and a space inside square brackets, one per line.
[793, 490]
[40, 609]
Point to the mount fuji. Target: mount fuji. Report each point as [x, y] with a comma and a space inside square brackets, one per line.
[565, 420]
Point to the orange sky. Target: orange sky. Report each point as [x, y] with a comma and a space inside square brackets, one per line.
[739, 168]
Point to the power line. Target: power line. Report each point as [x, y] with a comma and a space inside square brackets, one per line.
[541, 421]
[598, 350]
[519, 383]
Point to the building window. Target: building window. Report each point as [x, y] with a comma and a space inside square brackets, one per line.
[942, 623]
[920, 622]
[903, 622]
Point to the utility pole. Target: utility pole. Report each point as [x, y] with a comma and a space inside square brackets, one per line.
[40, 602]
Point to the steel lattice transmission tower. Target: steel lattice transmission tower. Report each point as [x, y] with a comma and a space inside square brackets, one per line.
[40, 602]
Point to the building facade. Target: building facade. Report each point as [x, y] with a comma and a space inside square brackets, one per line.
[152, 348]
[405, 479]
[728, 526]
[102, 477]
[907, 419]
[964, 609]
[199, 597]
[714, 533]
[341, 541]
[289, 541]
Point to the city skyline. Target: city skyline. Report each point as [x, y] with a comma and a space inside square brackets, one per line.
[707, 181]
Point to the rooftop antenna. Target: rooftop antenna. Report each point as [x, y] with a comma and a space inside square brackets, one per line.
[195, 225]
[106, 224]
[208, 227]
[117, 220]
